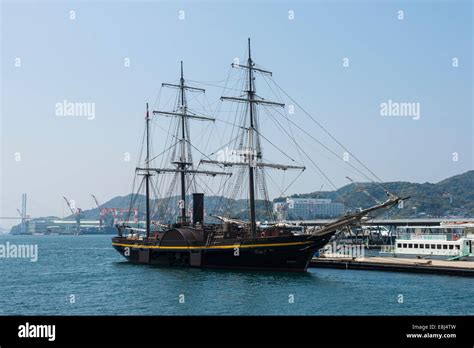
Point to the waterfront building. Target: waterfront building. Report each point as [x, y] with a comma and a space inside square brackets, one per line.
[307, 209]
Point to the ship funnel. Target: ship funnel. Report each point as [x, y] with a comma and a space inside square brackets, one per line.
[198, 208]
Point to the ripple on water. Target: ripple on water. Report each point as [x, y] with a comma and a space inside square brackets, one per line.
[102, 283]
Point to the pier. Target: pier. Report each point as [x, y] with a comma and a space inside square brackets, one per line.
[391, 264]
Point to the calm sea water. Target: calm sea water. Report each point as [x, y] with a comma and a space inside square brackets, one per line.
[102, 283]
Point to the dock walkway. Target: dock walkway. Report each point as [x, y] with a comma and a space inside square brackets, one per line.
[391, 264]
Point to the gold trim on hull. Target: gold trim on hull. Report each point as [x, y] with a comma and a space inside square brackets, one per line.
[241, 246]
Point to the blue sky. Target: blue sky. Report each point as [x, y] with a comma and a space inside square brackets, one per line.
[81, 60]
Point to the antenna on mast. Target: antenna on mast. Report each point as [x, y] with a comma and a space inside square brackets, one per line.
[250, 56]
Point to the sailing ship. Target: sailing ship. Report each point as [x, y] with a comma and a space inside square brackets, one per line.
[232, 243]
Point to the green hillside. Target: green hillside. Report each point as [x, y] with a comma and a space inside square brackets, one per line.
[451, 197]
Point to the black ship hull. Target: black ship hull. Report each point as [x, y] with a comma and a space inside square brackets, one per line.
[289, 253]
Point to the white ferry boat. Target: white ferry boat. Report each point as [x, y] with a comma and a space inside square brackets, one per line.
[452, 241]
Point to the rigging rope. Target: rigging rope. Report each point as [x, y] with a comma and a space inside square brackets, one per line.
[327, 132]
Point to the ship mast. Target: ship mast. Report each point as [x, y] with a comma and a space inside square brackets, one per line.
[183, 167]
[147, 174]
[252, 158]
[250, 95]
[182, 163]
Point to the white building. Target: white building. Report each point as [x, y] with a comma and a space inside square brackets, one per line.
[307, 208]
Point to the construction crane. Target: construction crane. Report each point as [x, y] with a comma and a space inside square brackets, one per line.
[69, 205]
[95, 200]
[76, 214]
[101, 212]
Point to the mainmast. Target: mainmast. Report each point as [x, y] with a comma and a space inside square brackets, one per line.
[251, 151]
[253, 156]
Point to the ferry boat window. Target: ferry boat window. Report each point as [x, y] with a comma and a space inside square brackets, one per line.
[457, 247]
[451, 246]
[433, 246]
[427, 246]
[410, 245]
[445, 246]
[404, 245]
[399, 245]
[439, 246]
[415, 246]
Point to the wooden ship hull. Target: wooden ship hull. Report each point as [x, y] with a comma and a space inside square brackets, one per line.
[179, 247]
